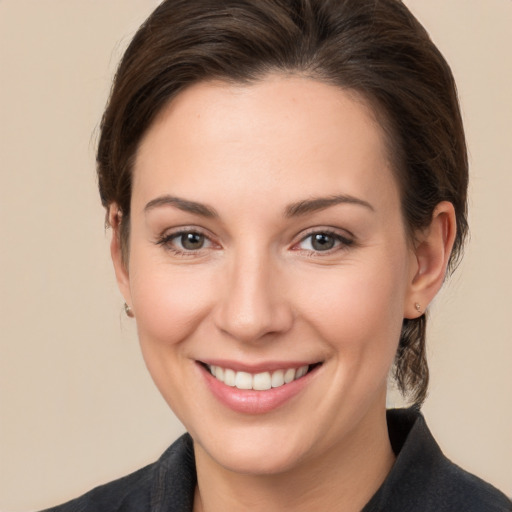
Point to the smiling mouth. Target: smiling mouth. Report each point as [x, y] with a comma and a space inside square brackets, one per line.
[259, 381]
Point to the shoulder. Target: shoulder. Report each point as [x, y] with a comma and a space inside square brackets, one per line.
[423, 479]
[171, 479]
[123, 494]
[458, 489]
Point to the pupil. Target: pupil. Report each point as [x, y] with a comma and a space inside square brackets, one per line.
[192, 241]
[322, 242]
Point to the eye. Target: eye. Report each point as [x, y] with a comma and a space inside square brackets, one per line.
[191, 241]
[183, 242]
[323, 241]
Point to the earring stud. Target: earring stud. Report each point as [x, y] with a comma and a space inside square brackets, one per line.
[417, 305]
[128, 311]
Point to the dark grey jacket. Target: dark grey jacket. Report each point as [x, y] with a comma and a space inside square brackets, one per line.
[422, 480]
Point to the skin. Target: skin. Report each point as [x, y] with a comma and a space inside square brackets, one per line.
[258, 291]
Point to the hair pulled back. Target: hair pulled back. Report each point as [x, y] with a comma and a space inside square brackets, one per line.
[374, 47]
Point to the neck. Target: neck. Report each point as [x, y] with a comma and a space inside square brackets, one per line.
[345, 478]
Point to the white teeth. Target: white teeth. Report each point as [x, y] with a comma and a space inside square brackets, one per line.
[262, 381]
[289, 375]
[301, 372]
[219, 373]
[243, 380]
[259, 381]
[229, 377]
[278, 378]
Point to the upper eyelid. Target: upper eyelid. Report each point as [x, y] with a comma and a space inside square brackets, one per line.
[167, 242]
[344, 240]
[336, 232]
[180, 230]
[169, 235]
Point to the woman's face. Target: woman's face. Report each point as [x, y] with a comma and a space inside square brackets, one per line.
[267, 238]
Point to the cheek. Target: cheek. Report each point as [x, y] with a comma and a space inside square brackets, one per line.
[357, 308]
[169, 302]
[170, 305]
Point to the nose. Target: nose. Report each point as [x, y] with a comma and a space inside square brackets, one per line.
[254, 303]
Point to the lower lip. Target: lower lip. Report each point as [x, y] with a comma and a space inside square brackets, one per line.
[251, 401]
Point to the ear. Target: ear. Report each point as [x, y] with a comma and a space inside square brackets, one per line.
[432, 249]
[120, 265]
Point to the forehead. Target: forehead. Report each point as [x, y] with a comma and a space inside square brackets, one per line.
[291, 133]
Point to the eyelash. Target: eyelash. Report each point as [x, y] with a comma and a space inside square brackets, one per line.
[167, 239]
[343, 242]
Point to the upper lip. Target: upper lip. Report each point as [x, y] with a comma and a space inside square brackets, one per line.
[267, 366]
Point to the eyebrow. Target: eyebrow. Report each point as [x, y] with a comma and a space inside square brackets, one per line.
[293, 210]
[321, 203]
[182, 204]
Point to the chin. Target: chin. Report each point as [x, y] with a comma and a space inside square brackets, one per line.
[255, 460]
[255, 449]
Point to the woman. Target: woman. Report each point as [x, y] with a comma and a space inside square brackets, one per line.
[286, 183]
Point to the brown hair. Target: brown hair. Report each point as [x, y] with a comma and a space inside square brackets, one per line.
[374, 47]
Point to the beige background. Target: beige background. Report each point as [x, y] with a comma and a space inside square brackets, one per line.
[77, 407]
